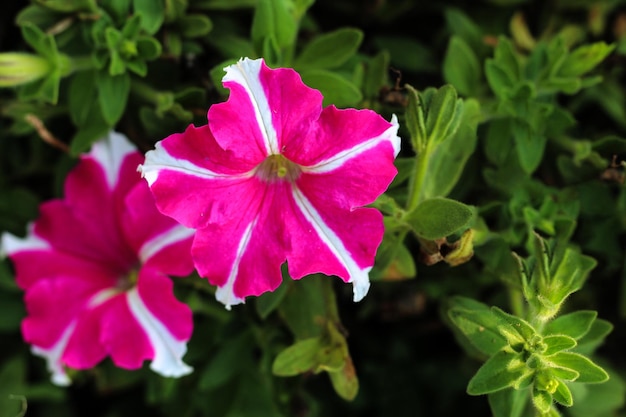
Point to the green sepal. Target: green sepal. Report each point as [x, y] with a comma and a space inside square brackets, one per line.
[500, 371]
[436, 218]
[542, 400]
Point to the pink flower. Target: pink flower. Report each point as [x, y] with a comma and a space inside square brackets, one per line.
[273, 177]
[94, 268]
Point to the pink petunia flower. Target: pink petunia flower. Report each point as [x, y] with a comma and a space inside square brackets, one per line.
[274, 177]
[94, 268]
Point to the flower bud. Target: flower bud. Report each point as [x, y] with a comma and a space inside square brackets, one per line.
[18, 68]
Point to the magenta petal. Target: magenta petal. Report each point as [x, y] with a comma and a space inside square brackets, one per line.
[156, 291]
[53, 305]
[125, 340]
[338, 131]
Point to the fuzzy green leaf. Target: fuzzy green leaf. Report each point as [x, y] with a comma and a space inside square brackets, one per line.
[563, 395]
[558, 343]
[477, 323]
[439, 217]
[523, 331]
[575, 324]
[501, 371]
[584, 59]
[508, 402]
[589, 371]
[542, 400]
[443, 115]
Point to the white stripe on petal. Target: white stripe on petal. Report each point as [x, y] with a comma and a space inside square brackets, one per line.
[53, 357]
[110, 153]
[358, 277]
[336, 161]
[168, 351]
[10, 244]
[159, 159]
[156, 244]
[225, 294]
[246, 74]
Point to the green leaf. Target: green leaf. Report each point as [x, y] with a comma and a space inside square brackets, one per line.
[461, 67]
[521, 328]
[148, 48]
[463, 27]
[195, 25]
[335, 89]
[477, 323]
[227, 362]
[542, 400]
[448, 160]
[594, 338]
[558, 343]
[345, 381]
[407, 53]
[584, 59]
[508, 402]
[82, 90]
[443, 115]
[589, 371]
[329, 50]
[575, 324]
[439, 217]
[152, 14]
[298, 358]
[112, 95]
[376, 75]
[569, 275]
[500, 371]
[416, 120]
[563, 395]
[272, 18]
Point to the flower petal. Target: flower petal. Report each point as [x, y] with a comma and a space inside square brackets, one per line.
[350, 236]
[251, 247]
[157, 239]
[167, 348]
[343, 134]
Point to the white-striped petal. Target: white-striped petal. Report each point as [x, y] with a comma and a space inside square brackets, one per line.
[358, 277]
[53, 355]
[110, 154]
[246, 74]
[159, 159]
[225, 293]
[330, 164]
[156, 244]
[168, 351]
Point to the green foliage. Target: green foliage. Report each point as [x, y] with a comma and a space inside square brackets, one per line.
[513, 124]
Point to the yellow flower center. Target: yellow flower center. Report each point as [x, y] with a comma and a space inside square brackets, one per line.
[276, 168]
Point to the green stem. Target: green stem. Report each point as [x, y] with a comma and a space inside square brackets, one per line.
[82, 63]
[145, 91]
[417, 180]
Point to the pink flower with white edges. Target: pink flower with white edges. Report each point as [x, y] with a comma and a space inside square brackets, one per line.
[275, 177]
[95, 266]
